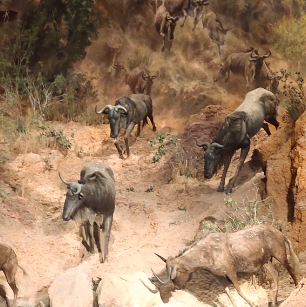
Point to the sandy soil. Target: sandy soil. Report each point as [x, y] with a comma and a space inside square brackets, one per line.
[154, 213]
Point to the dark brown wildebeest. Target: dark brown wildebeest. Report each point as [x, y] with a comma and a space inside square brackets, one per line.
[247, 64]
[140, 81]
[196, 10]
[215, 29]
[165, 25]
[236, 132]
[226, 254]
[93, 194]
[126, 113]
[9, 265]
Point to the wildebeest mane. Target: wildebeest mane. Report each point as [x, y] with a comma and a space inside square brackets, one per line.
[194, 243]
[231, 129]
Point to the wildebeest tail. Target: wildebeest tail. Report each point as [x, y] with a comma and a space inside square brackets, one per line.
[145, 121]
[293, 257]
[25, 274]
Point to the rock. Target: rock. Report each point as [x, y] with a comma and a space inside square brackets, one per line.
[129, 290]
[73, 288]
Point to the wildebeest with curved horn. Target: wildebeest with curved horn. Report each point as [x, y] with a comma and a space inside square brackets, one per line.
[126, 113]
[226, 254]
[247, 64]
[140, 81]
[236, 133]
[93, 194]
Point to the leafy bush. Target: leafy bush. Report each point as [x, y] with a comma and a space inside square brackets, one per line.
[56, 138]
[293, 90]
[160, 143]
[242, 215]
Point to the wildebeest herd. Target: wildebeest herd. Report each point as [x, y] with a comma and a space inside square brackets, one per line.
[224, 255]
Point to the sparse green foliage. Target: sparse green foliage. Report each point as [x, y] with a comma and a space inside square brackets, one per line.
[293, 90]
[242, 215]
[289, 37]
[150, 189]
[160, 143]
[130, 189]
[56, 138]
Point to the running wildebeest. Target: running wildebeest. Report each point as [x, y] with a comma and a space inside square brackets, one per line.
[226, 254]
[140, 81]
[215, 29]
[236, 132]
[247, 64]
[126, 113]
[9, 265]
[93, 194]
[165, 25]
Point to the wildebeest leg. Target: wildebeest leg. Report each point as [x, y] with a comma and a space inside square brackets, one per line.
[272, 121]
[234, 280]
[106, 228]
[274, 273]
[152, 122]
[91, 237]
[118, 148]
[10, 273]
[243, 154]
[182, 25]
[126, 137]
[265, 127]
[227, 161]
[84, 234]
[225, 283]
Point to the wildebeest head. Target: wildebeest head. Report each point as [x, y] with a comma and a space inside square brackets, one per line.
[259, 60]
[172, 24]
[74, 199]
[176, 272]
[115, 115]
[148, 81]
[212, 157]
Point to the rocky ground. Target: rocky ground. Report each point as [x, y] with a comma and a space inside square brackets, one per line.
[157, 210]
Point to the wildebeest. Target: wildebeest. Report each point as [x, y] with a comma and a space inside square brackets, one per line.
[139, 80]
[126, 113]
[248, 64]
[165, 25]
[9, 265]
[236, 133]
[195, 10]
[226, 254]
[117, 67]
[93, 194]
[215, 28]
[268, 79]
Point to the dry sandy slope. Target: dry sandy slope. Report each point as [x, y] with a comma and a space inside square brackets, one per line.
[164, 220]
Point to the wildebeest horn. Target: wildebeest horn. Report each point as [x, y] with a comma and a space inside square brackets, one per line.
[66, 182]
[202, 145]
[119, 107]
[169, 270]
[156, 75]
[145, 75]
[267, 55]
[217, 145]
[254, 52]
[161, 257]
[103, 109]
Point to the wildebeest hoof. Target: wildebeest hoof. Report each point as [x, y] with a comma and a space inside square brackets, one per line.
[220, 189]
